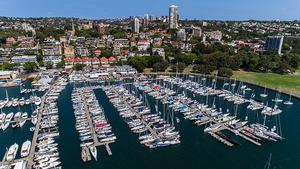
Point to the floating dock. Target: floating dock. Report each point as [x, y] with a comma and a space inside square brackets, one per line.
[226, 142]
[92, 126]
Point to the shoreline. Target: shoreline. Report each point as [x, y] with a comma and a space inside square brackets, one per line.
[224, 78]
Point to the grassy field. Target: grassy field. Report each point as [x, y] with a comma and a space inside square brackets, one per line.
[285, 83]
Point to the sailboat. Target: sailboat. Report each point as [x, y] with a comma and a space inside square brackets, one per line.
[268, 163]
[289, 102]
[277, 98]
[93, 151]
[264, 94]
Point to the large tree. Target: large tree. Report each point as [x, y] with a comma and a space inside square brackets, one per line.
[30, 66]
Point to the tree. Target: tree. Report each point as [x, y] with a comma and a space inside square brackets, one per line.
[178, 67]
[151, 60]
[30, 66]
[187, 59]
[225, 72]
[160, 66]
[105, 52]
[49, 65]
[79, 67]
[8, 66]
[138, 62]
[118, 33]
[60, 64]
[203, 69]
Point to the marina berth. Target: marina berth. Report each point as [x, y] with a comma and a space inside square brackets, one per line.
[11, 152]
[153, 130]
[7, 121]
[200, 114]
[45, 149]
[156, 111]
[91, 123]
[25, 148]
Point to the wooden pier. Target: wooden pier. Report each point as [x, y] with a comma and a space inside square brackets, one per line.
[87, 112]
[221, 139]
[92, 126]
[30, 157]
[36, 131]
[238, 133]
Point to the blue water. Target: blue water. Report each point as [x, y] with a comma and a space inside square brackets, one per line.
[196, 150]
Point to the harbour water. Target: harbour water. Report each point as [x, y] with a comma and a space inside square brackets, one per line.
[196, 150]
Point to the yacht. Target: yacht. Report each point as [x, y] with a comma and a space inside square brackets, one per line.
[2, 118]
[22, 101]
[37, 101]
[34, 117]
[23, 119]
[8, 119]
[212, 127]
[9, 103]
[288, 102]
[12, 151]
[15, 102]
[17, 118]
[93, 151]
[25, 148]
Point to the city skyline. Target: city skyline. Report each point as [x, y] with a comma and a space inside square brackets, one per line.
[191, 9]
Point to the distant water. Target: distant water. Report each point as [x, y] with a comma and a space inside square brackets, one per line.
[196, 150]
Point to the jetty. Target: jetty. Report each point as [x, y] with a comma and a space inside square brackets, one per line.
[226, 142]
[30, 157]
[36, 131]
[96, 141]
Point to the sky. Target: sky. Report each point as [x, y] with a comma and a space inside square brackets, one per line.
[188, 9]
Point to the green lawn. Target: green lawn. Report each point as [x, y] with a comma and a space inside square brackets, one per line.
[285, 83]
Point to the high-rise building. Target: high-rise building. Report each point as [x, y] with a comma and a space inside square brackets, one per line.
[136, 25]
[173, 17]
[274, 44]
[181, 35]
[196, 31]
[146, 20]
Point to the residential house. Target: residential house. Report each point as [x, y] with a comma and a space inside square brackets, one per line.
[104, 61]
[143, 45]
[69, 51]
[10, 41]
[51, 47]
[54, 59]
[82, 51]
[27, 42]
[112, 60]
[23, 59]
[121, 43]
[158, 51]
[97, 52]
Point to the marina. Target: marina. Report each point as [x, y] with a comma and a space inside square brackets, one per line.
[91, 123]
[153, 131]
[154, 116]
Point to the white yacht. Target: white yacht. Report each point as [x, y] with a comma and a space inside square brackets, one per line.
[9, 103]
[93, 151]
[15, 102]
[17, 118]
[37, 101]
[23, 119]
[12, 151]
[212, 127]
[25, 148]
[34, 117]
[22, 101]
[8, 119]
[2, 118]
